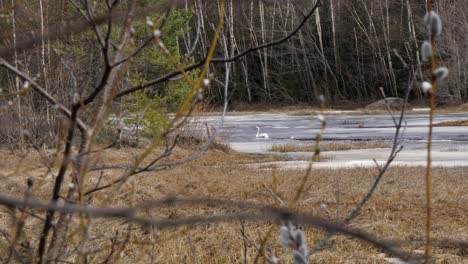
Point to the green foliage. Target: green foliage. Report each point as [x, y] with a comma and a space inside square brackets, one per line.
[149, 109]
[178, 91]
[70, 50]
[153, 116]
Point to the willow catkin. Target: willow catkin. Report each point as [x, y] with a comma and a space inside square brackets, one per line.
[433, 23]
[426, 51]
[441, 73]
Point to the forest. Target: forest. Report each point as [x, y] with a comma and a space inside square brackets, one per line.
[345, 51]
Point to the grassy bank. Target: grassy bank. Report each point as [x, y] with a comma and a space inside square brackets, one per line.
[396, 211]
[332, 146]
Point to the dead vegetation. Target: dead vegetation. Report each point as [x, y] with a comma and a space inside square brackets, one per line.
[396, 212]
[452, 123]
[331, 146]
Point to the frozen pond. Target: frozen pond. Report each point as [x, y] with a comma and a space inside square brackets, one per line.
[450, 146]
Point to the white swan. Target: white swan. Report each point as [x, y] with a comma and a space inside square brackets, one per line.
[261, 135]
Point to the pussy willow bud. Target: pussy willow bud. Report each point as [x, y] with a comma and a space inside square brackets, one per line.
[298, 258]
[206, 82]
[433, 23]
[299, 237]
[149, 22]
[441, 73]
[426, 51]
[25, 84]
[157, 33]
[426, 86]
[285, 237]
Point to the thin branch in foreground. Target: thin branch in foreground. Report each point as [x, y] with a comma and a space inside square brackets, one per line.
[430, 17]
[382, 170]
[152, 166]
[40, 90]
[21, 221]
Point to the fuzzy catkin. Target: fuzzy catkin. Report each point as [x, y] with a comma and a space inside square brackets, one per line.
[433, 23]
[426, 51]
[441, 73]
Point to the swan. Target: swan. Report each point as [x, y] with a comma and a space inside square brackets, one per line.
[261, 135]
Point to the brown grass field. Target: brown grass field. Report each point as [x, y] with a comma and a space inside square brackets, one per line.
[395, 212]
[453, 123]
[332, 146]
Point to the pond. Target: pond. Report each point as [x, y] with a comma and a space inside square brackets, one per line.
[450, 144]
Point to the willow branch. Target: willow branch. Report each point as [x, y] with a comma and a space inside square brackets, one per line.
[382, 170]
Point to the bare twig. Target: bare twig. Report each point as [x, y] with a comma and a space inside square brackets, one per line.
[192, 250]
[246, 239]
[152, 166]
[244, 234]
[20, 222]
[274, 195]
[382, 170]
[429, 144]
[60, 107]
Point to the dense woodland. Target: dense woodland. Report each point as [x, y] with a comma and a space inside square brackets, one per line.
[346, 50]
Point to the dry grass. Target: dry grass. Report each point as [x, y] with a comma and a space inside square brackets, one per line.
[190, 141]
[331, 146]
[452, 123]
[395, 212]
[452, 108]
[359, 124]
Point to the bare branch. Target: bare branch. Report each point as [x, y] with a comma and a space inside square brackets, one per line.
[382, 170]
[60, 107]
[152, 166]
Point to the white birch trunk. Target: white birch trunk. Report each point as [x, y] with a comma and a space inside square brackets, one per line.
[43, 63]
[265, 55]
[16, 63]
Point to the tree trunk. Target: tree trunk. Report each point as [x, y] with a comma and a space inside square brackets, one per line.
[16, 63]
